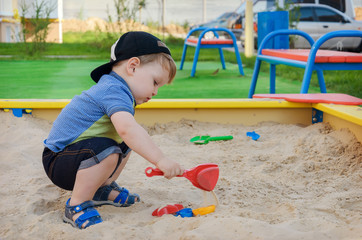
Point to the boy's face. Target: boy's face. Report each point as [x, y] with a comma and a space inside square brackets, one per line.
[146, 80]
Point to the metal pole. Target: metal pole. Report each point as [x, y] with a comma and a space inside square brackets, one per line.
[204, 11]
[163, 19]
[60, 19]
[249, 38]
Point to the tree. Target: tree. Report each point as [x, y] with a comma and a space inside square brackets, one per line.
[141, 4]
[36, 27]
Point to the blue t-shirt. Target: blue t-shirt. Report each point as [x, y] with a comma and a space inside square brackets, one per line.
[88, 114]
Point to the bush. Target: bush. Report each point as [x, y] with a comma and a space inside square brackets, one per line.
[35, 29]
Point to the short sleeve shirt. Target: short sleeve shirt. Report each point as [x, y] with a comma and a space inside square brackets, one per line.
[88, 114]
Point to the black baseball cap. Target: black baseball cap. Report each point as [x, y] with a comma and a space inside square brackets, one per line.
[130, 44]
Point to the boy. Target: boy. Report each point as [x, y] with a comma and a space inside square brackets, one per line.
[90, 141]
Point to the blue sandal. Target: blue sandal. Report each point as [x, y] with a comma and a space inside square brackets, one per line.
[124, 198]
[89, 214]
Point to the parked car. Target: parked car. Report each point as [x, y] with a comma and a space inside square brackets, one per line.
[317, 20]
[345, 6]
[225, 20]
[234, 20]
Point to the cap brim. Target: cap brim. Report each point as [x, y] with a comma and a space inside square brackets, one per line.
[97, 73]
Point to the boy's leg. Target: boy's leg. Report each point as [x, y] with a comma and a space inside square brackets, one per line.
[112, 194]
[84, 167]
[114, 177]
[88, 180]
[118, 171]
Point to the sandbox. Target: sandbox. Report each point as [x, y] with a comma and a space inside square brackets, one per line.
[300, 180]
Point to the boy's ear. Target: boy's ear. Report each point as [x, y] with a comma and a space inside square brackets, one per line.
[132, 64]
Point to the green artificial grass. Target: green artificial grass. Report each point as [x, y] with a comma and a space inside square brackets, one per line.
[223, 84]
[92, 46]
[63, 79]
[56, 79]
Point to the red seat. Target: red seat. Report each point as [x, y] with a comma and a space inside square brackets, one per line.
[323, 56]
[211, 41]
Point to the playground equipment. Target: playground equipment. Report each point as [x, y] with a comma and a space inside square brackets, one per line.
[217, 42]
[311, 60]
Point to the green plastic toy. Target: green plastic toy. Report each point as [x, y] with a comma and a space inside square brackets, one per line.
[205, 139]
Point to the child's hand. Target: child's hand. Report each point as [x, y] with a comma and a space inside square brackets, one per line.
[169, 168]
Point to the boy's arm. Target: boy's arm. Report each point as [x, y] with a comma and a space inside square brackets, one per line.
[136, 137]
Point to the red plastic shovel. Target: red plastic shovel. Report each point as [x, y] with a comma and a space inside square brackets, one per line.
[203, 176]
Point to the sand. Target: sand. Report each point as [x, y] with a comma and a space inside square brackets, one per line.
[295, 182]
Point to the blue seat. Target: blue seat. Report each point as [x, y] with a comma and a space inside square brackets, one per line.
[218, 43]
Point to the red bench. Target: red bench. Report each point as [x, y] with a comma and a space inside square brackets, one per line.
[313, 59]
[201, 42]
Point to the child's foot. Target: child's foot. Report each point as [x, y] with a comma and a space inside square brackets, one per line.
[81, 216]
[114, 195]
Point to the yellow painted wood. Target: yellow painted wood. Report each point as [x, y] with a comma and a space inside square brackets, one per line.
[164, 103]
[228, 111]
[349, 113]
[245, 116]
[339, 123]
[33, 103]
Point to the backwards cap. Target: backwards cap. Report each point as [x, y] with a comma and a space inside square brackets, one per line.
[131, 44]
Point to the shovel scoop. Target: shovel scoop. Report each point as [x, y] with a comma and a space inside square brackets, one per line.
[203, 176]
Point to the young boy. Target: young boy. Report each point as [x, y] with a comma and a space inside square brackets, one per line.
[90, 141]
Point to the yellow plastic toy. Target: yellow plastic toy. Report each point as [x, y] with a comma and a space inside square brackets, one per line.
[204, 210]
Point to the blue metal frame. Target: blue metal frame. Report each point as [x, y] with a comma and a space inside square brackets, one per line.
[317, 116]
[18, 112]
[309, 66]
[218, 46]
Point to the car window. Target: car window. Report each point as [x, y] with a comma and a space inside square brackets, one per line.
[337, 4]
[224, 15]
[259, 6]
[299, 1]
[305, 14]
[326, 15]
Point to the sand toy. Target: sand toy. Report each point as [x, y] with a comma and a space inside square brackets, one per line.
[169, 209]
[204, 210]
[203, 176]
[253, 135]
[205, 139]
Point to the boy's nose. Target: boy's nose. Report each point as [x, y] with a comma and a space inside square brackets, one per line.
[155, 92]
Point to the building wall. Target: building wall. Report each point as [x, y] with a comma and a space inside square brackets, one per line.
[9, 32]
[53, 33]
[10, 27]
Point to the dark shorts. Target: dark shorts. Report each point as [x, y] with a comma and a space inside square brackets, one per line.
[62, 167]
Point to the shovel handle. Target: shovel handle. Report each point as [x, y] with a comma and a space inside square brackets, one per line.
[220, 138]
[150, 172]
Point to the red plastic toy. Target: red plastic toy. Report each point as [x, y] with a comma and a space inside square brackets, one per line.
[203, 176]
[169, 209]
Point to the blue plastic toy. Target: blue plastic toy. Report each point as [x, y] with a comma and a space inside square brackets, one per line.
[253, 135]
[186, 212]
